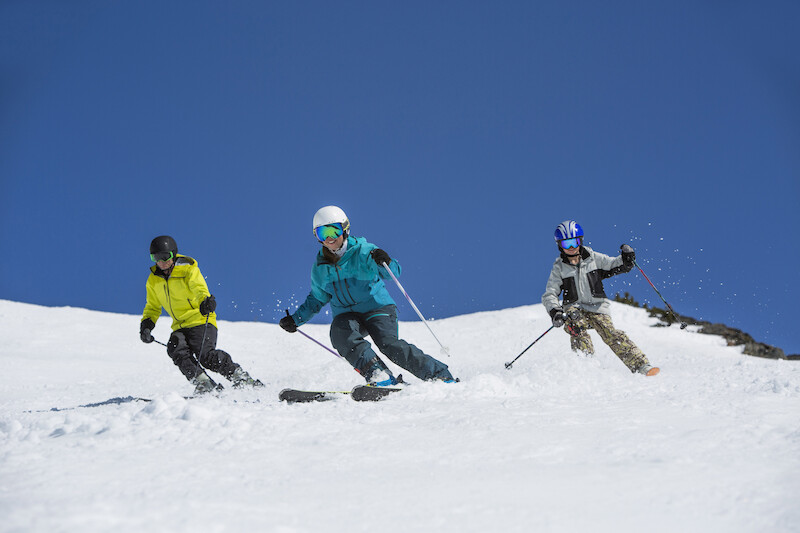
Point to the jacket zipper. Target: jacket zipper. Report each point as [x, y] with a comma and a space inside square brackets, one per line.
[338, 289]
[169, 300]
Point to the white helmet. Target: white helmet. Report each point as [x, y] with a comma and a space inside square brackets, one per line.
[330, 214]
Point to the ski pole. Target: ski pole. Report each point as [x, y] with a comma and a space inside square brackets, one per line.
[312, 339]
[203, 343]
[197, 359]
[671, 310]
[397, 281]
[508, 365]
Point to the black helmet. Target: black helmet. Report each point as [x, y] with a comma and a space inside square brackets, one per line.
[163, 244]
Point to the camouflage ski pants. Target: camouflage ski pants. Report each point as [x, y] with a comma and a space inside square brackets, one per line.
[616, 339]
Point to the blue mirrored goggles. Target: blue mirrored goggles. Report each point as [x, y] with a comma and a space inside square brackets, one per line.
[330, 231]
[161, 256]
[571, 243]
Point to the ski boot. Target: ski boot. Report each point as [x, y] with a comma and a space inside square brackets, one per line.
[204, 384]
[378, 375]
[241, 379]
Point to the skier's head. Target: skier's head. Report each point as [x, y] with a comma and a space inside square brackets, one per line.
[330, 222]
[163, 248]
[569, 236]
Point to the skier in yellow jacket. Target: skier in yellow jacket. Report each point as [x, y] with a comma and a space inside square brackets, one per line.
[176, 284]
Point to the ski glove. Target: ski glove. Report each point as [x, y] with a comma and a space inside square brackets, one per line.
[144, 330]
[628, 255]
[288, 324]
[208, 305]
[380, 257]
[557, 315]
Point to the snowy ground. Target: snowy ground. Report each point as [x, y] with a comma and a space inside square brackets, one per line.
[558, 443]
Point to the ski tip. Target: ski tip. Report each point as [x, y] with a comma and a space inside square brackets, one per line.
[286, 395]
[370, 393]
[653, 371]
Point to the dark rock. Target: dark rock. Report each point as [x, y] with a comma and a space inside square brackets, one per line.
[733, 336]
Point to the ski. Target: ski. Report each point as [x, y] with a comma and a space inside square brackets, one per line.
[305, 396]
[371, 393]
[360, 393]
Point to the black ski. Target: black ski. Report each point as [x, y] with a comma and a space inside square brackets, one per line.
[371, 393]
[304, 396]
[360, 393]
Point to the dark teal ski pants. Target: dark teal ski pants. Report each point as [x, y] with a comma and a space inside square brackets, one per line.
[347, 335]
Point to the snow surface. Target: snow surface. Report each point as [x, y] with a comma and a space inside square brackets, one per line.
[557, 443]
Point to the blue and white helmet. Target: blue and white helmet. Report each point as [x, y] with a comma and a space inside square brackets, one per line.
[569, 229]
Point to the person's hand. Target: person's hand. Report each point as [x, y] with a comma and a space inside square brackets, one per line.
[288, 323]
[628, 255]
[208, 305]
[380, 257]
[145, 328]
[558, 317]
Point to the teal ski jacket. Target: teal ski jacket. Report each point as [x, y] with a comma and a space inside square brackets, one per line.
[352, 283]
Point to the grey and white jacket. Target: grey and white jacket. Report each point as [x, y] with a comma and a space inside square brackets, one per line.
[582, 284]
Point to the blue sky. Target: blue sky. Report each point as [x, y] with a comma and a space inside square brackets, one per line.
[456, 135]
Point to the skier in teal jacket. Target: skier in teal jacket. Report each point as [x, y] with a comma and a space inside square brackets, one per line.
[348, 273]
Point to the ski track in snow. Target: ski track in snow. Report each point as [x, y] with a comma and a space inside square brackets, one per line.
[557, 443]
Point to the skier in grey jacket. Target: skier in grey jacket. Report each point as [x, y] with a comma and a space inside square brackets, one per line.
[579, 273]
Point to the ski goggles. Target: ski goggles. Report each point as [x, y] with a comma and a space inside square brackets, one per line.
[571, 243]
[329, 231]
[161, 256]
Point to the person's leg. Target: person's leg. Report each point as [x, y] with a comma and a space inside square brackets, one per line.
[382, 327]
[181, 354]
[218, 361]
[618, 341]
[180, 350]
[347, 336]
[577, 324]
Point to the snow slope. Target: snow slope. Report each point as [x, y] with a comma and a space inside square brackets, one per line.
[557, 443]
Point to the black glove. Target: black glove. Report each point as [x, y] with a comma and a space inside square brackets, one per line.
[558, 317]
[288, 324]
[628, 255]
[145, 328]
[380, 257]
[208, 305]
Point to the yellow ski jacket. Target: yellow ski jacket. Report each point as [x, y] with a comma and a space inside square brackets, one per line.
[180, 295]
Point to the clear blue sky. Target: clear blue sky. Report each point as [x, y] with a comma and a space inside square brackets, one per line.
[456, 135]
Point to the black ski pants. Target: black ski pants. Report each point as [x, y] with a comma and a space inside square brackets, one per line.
[184, 349]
